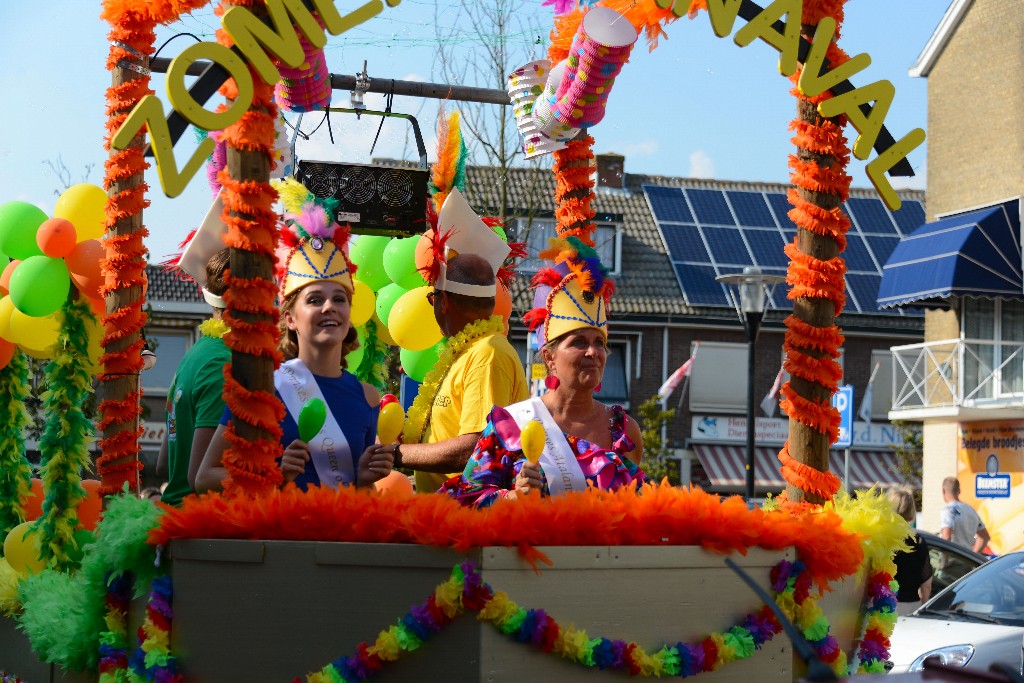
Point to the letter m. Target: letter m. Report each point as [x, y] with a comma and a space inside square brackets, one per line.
[256, 37]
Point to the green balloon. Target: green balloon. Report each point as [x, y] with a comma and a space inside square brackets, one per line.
[400, 263]
[40, 285]
[501, 232]
[417, 364]
[80, 538]
[19, 222]
[386, 298]
[354, 358]
[367, 252]
[312, 418]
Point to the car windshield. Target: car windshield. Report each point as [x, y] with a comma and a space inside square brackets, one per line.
[993, 593]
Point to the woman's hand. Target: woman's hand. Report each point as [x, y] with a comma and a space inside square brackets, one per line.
[294, 459]
[528, 479]
[375, 463]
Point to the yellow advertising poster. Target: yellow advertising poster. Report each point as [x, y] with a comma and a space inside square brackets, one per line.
[990, 467]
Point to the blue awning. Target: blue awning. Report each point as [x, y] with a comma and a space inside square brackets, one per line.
[977, 253]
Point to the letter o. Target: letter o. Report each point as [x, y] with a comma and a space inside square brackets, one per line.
[193, 111]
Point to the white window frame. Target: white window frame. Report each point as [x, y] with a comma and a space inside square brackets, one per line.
[157, 332]
[1004, 351]
[531, 264]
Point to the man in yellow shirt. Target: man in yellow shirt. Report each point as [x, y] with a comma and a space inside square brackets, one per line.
[485, 369]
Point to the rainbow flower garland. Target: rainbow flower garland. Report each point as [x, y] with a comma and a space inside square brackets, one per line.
[113, 666]
[419, 412]
[466, 590]
[153, 660]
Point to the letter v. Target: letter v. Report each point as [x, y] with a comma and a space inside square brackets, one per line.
[149, 112]
[723, 15]
[812, 81]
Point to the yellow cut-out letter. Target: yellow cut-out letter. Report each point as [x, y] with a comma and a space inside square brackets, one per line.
[193, 111]
[879, 92]
[811, 84]
[877, 169]
[149, 112]
[723, 15]
[788, 43]
[248, 31]
[361, 14]
[679, 7]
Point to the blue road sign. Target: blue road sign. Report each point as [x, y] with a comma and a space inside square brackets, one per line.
[842, 401]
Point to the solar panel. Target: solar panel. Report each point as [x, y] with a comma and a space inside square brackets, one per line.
[700, 230]
[767, 246]
[699, 286]
[727, 247]
[865, 289]
[870, 215]
[710, 207]
[751, 209]
[857, 255]
[684, 243]
[668, 204]
[910, 216]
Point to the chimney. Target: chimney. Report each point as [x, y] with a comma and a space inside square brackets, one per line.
[610, 171]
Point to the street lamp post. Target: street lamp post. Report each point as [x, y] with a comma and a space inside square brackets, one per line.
[751, 286]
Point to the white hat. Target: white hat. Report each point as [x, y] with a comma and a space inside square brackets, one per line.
[464, 232]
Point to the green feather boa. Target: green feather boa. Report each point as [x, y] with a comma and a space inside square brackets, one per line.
[15, 470]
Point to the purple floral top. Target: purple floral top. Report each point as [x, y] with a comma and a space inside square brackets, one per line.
[492, 470]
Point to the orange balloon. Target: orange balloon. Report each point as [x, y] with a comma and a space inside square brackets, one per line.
[91, 507]
[396, 484]
[84, 265]
[33, 504]
[5, 279]
[98, 306]
[502, 302]
[424, 251]
[6, 352]
[56, 237]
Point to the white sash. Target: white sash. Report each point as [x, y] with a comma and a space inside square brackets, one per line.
[561, 469]
[331, 454]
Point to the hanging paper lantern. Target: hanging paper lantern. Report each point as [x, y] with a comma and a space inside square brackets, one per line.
[412, 322]
[18, 224]
[84, 206]
[40, 286]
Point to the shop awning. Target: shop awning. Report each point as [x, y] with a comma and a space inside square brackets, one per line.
[725, 465]
[977, 253]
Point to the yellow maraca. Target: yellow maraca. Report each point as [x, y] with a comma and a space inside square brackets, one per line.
[390, 422]
[531, 437]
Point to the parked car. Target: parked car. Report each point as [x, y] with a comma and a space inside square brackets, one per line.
[950, 560]
[978, 620]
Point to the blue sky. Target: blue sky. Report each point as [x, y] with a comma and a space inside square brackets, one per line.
[698, 105]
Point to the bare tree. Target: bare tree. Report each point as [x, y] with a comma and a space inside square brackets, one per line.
[63, 174]
[480, 47]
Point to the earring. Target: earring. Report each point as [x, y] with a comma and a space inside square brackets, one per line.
[597, 388]
[551, 382]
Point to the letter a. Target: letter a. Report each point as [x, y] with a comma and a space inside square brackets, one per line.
[877, 169]
[812, 81]
[868, 125]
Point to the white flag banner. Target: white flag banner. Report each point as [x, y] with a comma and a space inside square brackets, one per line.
[676, 377]
[865, 405]
[771, 400]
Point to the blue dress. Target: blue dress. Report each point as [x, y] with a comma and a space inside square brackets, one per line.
[347, 402]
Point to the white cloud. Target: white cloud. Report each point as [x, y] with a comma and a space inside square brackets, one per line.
[642, 148]
[701, 165]
[919, 181]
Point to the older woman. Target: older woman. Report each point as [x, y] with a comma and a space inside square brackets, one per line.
[587, 443]
[913, 567]
[316, 334]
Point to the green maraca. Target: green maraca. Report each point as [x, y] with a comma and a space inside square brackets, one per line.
[312, 418]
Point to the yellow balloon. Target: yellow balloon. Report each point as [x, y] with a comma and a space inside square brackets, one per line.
[390, 423]
[21, 549]
[412, 322]
[95, 330]
[6, 309]
[35, 333]
[532, 440]
[363, 303]
[83, 205]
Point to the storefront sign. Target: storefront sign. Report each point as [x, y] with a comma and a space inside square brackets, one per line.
[990, 467]
[775, 431]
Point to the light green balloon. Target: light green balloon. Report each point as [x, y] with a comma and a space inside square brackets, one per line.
[40, 285]
[367, 252]
[400, 263]
[417, 364]
[19, 222]
[386, 298]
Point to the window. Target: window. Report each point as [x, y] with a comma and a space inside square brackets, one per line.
[170, 349]
[536, 232]
[993, 333]
[881, 388]
[718, 379]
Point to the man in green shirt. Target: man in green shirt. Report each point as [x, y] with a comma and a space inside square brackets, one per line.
[194, 402]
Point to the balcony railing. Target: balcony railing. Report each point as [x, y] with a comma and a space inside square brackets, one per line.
[957, 373]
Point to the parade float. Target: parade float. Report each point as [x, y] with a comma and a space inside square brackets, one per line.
[265, 583]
